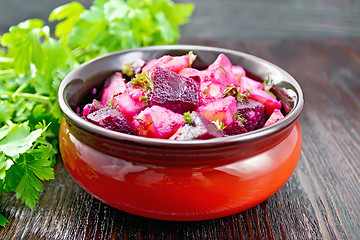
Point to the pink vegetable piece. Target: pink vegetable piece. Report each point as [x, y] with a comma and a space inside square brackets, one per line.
[171, 63]
[275, 116]
[200, 128]
[221, 72]
[253, 113]
[130, 103]
[265, 98]
[151, 64]
[221, 110]
[111, 119]
[248, 83]
[239, 72]
[92, 107]
[192, 72]
[157, 122]
[114, 85]
[210, 92]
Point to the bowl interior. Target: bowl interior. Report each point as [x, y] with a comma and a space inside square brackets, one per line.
[78, 83]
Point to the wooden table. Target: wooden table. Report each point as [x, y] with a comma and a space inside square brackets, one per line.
[320, 201]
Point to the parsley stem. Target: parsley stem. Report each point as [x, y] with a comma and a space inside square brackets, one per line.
[22, 87]
[7, 71]
[32, 96]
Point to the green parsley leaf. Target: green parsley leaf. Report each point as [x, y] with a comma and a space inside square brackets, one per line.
[12, 178]
[18, 140]
[28, 189]
[3, 221]
[6, 111]
[112, 25]
[5, 164]
[24, 45]
[70, 13]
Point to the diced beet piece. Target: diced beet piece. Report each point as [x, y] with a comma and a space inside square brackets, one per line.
[174, 64]
[249, 84]
[265, 98]
[239, 72]
[221, 72]
[91, 107]
[157, 122]
[221, 110]
[275, 116]
[113, 86]
[236, 127]
[262, 121]
[253, 113]
[174, 92]
[150, 65]
[111, 119]
[200, 128]
[130, 102]
[210, 92]
[192, 72]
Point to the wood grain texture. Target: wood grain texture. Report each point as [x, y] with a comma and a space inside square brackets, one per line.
[320, 201]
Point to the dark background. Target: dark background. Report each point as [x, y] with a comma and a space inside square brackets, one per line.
[232, 19]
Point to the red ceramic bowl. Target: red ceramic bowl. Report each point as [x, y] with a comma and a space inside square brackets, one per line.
[178, 180]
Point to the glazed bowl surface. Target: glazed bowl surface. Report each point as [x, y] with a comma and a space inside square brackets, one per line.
[178, 180]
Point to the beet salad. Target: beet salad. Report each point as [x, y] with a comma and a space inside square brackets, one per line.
[167, 98]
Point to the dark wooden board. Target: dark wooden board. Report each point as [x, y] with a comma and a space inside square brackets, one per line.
[320, 201]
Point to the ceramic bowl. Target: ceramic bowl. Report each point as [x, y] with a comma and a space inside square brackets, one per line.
[178, 180]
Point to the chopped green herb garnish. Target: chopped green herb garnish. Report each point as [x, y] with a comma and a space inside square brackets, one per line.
[231, 91]
[220, 125]
[269, 82]
[110, 99]
[238, 117]
[203, 92]
[143, 81]
[187, 117]
[127, 70]
[236, 93]
[146, 99]
[222, 69]
[192, 57]
[141, 122]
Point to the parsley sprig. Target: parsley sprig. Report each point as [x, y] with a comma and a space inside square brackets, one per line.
[33, 62]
